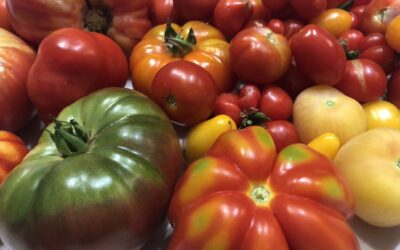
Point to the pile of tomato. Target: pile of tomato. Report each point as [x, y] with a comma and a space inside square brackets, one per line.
[252, 124]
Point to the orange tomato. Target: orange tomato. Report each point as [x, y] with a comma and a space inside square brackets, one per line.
[335, 21]
[12, 151]
[210, 51]
[393, 34]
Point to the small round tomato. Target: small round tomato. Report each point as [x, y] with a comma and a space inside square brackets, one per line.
[162, 11]
[382, 55]
[351, 39]
[275, 5]
[259, 11]
[4, 16]
[382, 114]
[185, 91]
[292, 26]
[249, 96]
[276, 26]
[393, 91]
[259, 55]
[275, 103]
[364, 80]
[372, 39]
[228, 104]
[283, 133]
[393, 34]
[335, 21]
[356, 13]
[309, 9]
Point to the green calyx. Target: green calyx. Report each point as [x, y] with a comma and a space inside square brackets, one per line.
[350, 54]
[252, 117]
[176, 45]
[346, 5]
[260, 195]
[70, 137]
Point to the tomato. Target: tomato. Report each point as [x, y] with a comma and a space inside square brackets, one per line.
[293, 82]
[308, 46]
[335, 21]
[244, 194]
[259, 10]
[351, 40]
[189, 10]
[162, 11]
[320, 109]
[361, 2]
[249, 96]
[275, 5]
[372, 39]
[102, 142]
[277, 26]
[201, 137]
[4, 16]
[228, 104]
[373, 156]
[185, 91]
[230, 16]
[382, 55]
[12, 152]
[125, 21]
[327, 144]
[393, 90]
[357, 13]
[70, 64]
[291, 27]
[378, 14]
[364, 80]
[283, 133]
[205, 46]
[393, 33]
[259, 55]
[16, 59]
[335, 3]
[275, 103]
[382, 114]
[308, 9]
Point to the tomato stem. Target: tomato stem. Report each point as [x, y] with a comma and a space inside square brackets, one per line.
[260, 195]
[175, 44]
[97, 18]
[346, 5]
[252, 117]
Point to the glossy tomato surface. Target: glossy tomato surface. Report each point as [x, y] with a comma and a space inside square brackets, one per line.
[4, 16]
[12, 152]
[283, 132]
[275, 103]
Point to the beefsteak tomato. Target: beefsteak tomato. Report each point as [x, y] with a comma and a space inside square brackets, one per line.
[378, 14]
[103, 183]
[70, 64]
[242, 194]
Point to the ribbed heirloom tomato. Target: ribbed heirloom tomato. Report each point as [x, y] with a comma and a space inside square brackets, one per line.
[243, 195]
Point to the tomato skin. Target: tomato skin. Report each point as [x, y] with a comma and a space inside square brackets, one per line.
[12, 152]
[372, 39]
[16, 59]
[381, 114]
[259, 55]
[231, 15]
[364, 80]
[185, 91]
[307, 47]
[292, 26]
[228, 104]
[357, 13]
[283, 133]
[382, 55]
[4, 16]
[392, 34]
[352, 39]
[161, 11]
[294, 81]
[308, 9]
[378, 14]
[327, 144]
[275, 103]
[259, 11]
[276, 26]
[336, 21]
[275, 5]
[244, 194]
[249, 96]
[70, 64]
[203, 9]
[393, 91]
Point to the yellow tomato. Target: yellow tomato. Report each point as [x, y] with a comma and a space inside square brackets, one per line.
[335, 21]
[382, 114]
[321, 108]
[327, 144]
[201, 137]
[393, 33]
[370, 163]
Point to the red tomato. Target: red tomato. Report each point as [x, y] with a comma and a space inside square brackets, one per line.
[189, 10]
[276, 26]
[125, 21]
[228, 104]
[162, 11]
[351, 39]
[71, 63]
[283, 132]
[309, 9]
[372, 40]
[291, 27]
[364, 80]
[230, 16]
[361, 2]
[249, 96]
[275, 5]
[12, 152]
[275, 103]
[356, 13]
[4, 16]
[382, 55]
[259, 55]
[16, 59]
[256, 23]
[259, 11]
[185, 91]
[378, 14]
[295, 82]
[318, 55]
[393, 91]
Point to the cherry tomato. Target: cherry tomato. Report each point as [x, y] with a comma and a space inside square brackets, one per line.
[378, 14]
[275, 103]
[318, 55]
[356, 14]
[249, 96]
[231, 15]
[393, 91]
[295, 82]
[188, 10]
[228, 104]
[4, 16]
[259, 11]
[283, 133]
[393, 34]
[372, 40]
[185, 91]
[162, 11]
[335, 21]
[382, 55]
[276, 26]
[351, 39]
[364, 80]
[259, 55]
[292, 26]
[309, 9]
